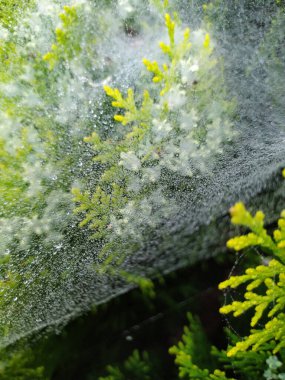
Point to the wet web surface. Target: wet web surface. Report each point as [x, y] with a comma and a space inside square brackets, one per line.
[51, 266]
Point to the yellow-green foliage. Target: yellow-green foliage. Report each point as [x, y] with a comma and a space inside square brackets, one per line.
[265, 290]
[10, 10]
[167, 75]
[133, 114]
[67, 41]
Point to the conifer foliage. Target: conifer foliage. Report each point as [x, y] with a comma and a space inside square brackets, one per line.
[93, 163]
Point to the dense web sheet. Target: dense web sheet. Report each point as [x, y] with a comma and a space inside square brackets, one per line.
[52, 98]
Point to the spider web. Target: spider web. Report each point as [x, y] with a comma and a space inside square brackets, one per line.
[250, 44]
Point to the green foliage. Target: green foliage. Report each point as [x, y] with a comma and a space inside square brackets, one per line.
[193, 354]
[195, 359]
[192, 357]
[137, 366]
[20, 365]
[280, 3]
